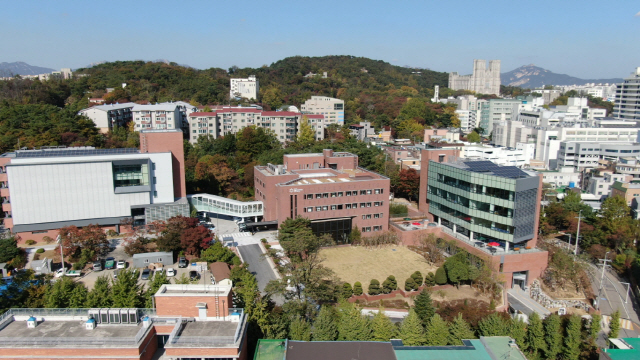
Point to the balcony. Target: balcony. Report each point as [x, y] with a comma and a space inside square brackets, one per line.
[6, 207]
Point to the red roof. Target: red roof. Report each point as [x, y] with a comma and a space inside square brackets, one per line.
[195, 114]
[280, 113]
[314, 116]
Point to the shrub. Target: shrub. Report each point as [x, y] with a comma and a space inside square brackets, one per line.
[40, 251]
[441, 276]
[30, 242]
[357, 288]
[267, 246]
[47, 239]
[264, 241]
[111, 233]
[397, 210]
[417, 277]
[389, 284]
[79, 265]
[410, 284]
[374, 287]
[347, 291]
[36, 256]
[430, 279]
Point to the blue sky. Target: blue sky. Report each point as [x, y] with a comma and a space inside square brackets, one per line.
[587, 39]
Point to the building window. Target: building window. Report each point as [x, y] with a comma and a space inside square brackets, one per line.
[340, 207]
[347, 206]
[325, 195]
[354, 205]
[325, 208]
[368, 204]
[334, 194]
[318, 196]
[333, 207]
[130, 175]
[318, 208]
[340, 194]
[363, 192]
[348, 193]
[369, 192]
[155, 194]
[362, 205]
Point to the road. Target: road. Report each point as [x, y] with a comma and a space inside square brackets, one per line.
[259, 266]
[613, 298]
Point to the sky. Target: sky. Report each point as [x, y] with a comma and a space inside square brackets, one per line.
[587, 39]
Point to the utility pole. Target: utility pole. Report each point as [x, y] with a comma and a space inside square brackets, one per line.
[604, 265]
[575, 252]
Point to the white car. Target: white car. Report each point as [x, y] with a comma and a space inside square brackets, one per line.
[60, 272]
[121, 264]
[171, 272]
[158, 271]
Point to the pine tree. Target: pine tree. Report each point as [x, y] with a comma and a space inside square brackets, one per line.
[357, 288]
[614, 325]
[437, 331]
[155, 283]
[374, 287]
[411, 330]
[459, 330]
[553, 336]
[535, 334]
[78, 298]
[59, 294]
[299, 329]
[100, 295]
[518, 332]
[430, 279]
[417, 277]
[410, 284]
[493, 325]
[389, 284]
[325, 328]
[347, 291]
[423, 306]
[125, 290]
[573, 338]
[441, 276]
[352, 326]
[382, 327]
[595, 327]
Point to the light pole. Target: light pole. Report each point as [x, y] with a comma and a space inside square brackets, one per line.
[604, 265]
[575, 252]
[59, 241]
[626, 299]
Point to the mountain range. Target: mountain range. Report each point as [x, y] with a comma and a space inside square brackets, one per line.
[22, 68]
[531, 76]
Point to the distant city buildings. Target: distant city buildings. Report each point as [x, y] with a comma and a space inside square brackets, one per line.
[627, 105]
[483, 80]
[248, 88]
[362, 130]
[331, 108]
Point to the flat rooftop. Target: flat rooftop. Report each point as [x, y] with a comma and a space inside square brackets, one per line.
[491, 168]
[210, 328]
[73, 151]
[193, 290]
[51, 333]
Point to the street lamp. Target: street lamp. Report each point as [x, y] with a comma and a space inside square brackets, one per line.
[59, 241]
[575, 252]
[626, 300]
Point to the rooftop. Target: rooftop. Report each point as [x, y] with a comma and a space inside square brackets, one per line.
[193, 290]
[490, 168]
[339, 350]
[623, 352]
[70, 151]
[270, 349]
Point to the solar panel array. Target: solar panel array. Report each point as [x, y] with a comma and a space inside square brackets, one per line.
[73, 152]
[484, 166]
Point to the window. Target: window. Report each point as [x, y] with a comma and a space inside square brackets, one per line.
[155, 194]
[348, 193]
[362, 205]
[333, 207]
[354, 205]
[310, 209]
[377, 203]
[130, 175]
[318, 208]
[377, 228]
[340, 194]
[368, 216]
[363, 192]
[325, 195]
[146, 261]
[347, 206]
[334, 194]
[376, 216]
[368, 204]
[340, 207]
[377, 191]
[308, 197]
[325, 208]
[369, 192]
[318, 196]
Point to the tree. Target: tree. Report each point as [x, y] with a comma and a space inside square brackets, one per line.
[9, 249]
[417, 277]
[58, 295]
[613, 212]
[459, 330]
[78, 298]
[100, 295]
[355, 236]
[595, 327]
[535, 334]
[457, 270]
[218, 253]
[299, 329]
[409, 183]
[272, 97]
[374, 287]
[423, 306]
[125, 290]
[170, 238]
[352, 326]
[518, 332]
[437, 332]
[573, 338]
[473, 137]
[357, 288]
[382, 327]
[325, 328]
[494, 325]
[155, 283]
[441, 276]
[347, 291]
[297, 238]
[74, 240]
[389, 285]
[306, 135]
[194, 240]
[410, 284]
[614, 325]
[553, 336]
[411, 330]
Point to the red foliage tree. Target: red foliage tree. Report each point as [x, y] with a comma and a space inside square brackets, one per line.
[75, 239]
[194, 240]
[408, 183]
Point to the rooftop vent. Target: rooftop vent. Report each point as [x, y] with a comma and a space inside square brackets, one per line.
[32, 322]
[90, 324]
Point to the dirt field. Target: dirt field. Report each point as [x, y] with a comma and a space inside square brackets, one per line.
[357, 263]
[50, 254]
[465, 292]
[569, 294]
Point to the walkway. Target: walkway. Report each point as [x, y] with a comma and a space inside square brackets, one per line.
[521, 301]
[223, 206]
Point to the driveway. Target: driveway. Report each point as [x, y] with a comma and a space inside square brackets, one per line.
[259, 266]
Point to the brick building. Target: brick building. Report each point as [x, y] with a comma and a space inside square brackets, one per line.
[189, 321]
[328, 188]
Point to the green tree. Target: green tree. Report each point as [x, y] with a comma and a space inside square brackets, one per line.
[9, 249]
[78, 298]
[417, 277]
[347, 291]
[553, 336]
[352, 326]
[474, 137]
[299, 329]
[272, 97]
[125, 290]
[382, 327]
[410, 284]
[573, 338]
[614, 325]
[59, 294]
[613, 213]
[437, 331]
[423, 305]
[459, 330]
[357, 288]
[441, 276]
[218, 253]
[355, 236]
[411, 330]
[535, 334]
[155, 283]
[100, 295]
[389, 285]
[494, 325]
[306, 135]
[374, 287]
[518, 332]
[324, 327]
[595, 327]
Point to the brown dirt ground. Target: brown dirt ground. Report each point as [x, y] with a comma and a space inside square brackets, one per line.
[358, 263]
[50, 254]
[465, 292]
[569, 294]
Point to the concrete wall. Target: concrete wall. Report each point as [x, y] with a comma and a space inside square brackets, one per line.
[185, 306]
[168, 141]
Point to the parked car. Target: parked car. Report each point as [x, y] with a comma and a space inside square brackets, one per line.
[109, 263]
[145, 274]
[115, 274]
[60, 272]
[158, 271]
[171, 272]
[182, 262]
[121, 264]
[193, 275]
[97, 266]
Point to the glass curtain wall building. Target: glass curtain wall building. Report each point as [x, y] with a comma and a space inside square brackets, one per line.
[483, 201]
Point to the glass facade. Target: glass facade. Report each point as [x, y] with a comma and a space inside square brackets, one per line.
[338, 229]
[131, 175]
[485, 204]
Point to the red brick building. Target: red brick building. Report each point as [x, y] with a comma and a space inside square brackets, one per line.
[189, 321]
[329, 188]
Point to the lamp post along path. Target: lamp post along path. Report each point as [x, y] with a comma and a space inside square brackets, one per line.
[575, 252]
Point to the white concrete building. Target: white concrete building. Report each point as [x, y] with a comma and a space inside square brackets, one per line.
[106, 117]
[331, 108]
[548, 95]
[563, 177]
[586, 154]
[627, 104]
[502, 156]
[157, 117]
[248, 88]
[362, 130]
[483, 80]
[600, 186]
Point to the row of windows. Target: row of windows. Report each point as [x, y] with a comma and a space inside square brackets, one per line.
[343, 206]
[347, 193]
[375, 216]
[368, 228]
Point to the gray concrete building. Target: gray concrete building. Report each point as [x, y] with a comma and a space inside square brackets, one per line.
[483, 80]
[627, 104]
[145, 259]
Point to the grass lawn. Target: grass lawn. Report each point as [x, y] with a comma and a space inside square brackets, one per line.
[357, 263]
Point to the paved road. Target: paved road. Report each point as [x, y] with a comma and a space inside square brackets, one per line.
[259, 266]
[613, 298]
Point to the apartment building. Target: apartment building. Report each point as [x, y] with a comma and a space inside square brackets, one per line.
[106, 117]
[587, 154]
[498, 110]
[441, 135]
[44, 190]
[600, 182]
[362, 130]
[157, 117]
[248, 88]
[627, 105]
[331, 108]
[317, 123]
[628, 191]
[188, 321]
[563, 177]
[628, 165]
[328, 188]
